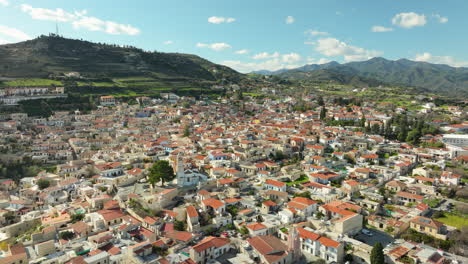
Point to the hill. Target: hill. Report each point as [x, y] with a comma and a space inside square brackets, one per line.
[55, 55]
[432, 77]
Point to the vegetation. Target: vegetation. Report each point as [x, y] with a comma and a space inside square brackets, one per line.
[452, 220]
[305, 194]
[77, 217]
[161, 171]
[66, 235]
[180, 225]
[377, 255]
[415, 236]
[43, 183]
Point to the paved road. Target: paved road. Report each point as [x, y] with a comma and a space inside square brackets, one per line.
[377, 236]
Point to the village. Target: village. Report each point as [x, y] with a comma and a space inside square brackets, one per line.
[251, 182]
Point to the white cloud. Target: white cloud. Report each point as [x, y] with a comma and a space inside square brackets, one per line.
[168, 42]
[4, 3]
[316, 33]
[79, 20]
[449, 60]
[242, 51]
[320, 61]
[291, 58]
[440, 18]
[335, 47]
[51, 15]
[265, 55]
[289, 20]
[409, 20]
[270, 65]
[110, 27]
[219, 20]
[215, 46]
[381, 29]
[9, 34]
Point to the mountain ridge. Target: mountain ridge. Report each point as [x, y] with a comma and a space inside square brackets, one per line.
[439, 78]
[56, 55]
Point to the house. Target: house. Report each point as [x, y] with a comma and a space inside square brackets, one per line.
[193, 221]
[395, 186]
[214, 205]
[304, 207]
[450, 178]
[403, 198]
[208, 249]
[257, 229]
[313, 244]
[275, 185]
[270, 249]
[428, 226]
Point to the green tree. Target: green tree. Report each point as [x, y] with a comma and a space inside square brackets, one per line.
[377, 255]
[161, 171]
[43, 183]
[66, 235]
[186, 131]
[179, 225]
[323, 113]
[77, 217]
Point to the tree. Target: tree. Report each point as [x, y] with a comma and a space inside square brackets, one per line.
[66, 235]
[77, 217]
[323, 113]
[320, 101]
[186, 131]
[179, 225]
[377, 255]
[161, 171]
[43, 183]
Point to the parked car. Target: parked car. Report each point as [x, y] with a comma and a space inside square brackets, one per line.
[366, 232]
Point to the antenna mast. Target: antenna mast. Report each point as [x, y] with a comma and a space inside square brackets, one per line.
[56, 28]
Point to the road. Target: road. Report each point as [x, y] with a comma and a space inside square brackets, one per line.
[377, 236]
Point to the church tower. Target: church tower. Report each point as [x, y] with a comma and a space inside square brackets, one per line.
[180, 175]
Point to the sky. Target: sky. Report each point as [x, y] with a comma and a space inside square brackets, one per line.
[255, 34]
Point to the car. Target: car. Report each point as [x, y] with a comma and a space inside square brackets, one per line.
[225, 234]
[366, 232]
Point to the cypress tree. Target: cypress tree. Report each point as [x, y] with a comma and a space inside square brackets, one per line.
[377, 255]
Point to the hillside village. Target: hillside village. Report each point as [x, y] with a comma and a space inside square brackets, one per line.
[251, 181]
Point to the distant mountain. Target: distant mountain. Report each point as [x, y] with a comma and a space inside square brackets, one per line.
[267, 72]
[433, 77]
[45, 55]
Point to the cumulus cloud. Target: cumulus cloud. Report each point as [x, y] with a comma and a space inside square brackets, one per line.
[316, 33]
[220, 20]
[13, 34]
[50, 14]
[381, 29]
[441, 19]
[79, 20]
[319, 61]
[4, 3]
[334, 47]
[449, 60]
[110, 27]
[265, 55]
[289, 20]
[215, 46]
[291, 58]
[409, 20]
[168, 42]
[242, 51]
[270, 65]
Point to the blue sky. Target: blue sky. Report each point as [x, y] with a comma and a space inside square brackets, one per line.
[256, 34]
